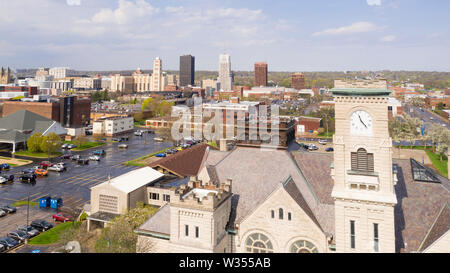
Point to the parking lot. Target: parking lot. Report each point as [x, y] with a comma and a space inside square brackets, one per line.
[73, 185]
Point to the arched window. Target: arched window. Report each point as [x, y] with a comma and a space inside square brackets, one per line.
[303, 246]
[362, 161]
[258, 243]
[280, 214]
[289, 216]
[272, 213]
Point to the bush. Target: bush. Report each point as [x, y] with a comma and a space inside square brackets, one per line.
[83, 216]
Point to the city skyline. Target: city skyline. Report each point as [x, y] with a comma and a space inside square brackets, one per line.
[289, 35]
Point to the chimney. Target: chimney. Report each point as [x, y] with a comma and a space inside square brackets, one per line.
[227, 185]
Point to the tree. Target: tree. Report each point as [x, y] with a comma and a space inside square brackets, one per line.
[164, 108]
[80, 140]
[119, 236]
[51, 143]
[411, 128]
[327, 114]
[34, 143]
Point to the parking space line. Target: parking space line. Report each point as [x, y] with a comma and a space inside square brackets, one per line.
[81, 178]
[89, 179]
[36, 198]
[101, 179]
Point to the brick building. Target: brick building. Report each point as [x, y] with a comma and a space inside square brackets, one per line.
[70, 111]
[260, 74]
[32, 90]
[298, 81]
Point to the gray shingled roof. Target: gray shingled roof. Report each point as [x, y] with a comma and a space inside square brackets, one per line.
[418, 207]
[159, 222]
[439, 227]
[24, 120]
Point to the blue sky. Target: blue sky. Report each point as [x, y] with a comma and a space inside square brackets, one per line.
[295, 35]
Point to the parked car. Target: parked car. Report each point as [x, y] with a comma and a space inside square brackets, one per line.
[61, 217]
[75, 157]
[116, 139]
[45, 164]
[122, 146]
[27, 171]
[41, 225]
[322, 141]
[329, 149]
[171, 151]
[65, 146]
[94, 158]
[2, 213]
[312, 147]
[18, 235]
[41, 172]
[158, 139]
[3, 180]
[63, 164]
[161, 155]
[83, 161]
[66, 156]
[124, 138]
[8, 208]
[28, 177]
[56, 168]
[8, 242]
[179, 148]
[8, 177]
[88, 132]
[138, 133]
[71, 146]
[99, 152]
[29, 230]
[5, 167]
[2, 248]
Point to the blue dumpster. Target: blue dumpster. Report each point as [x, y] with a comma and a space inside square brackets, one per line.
[56, 202]
[44, 202]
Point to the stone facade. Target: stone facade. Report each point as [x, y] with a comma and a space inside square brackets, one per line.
[364, 201]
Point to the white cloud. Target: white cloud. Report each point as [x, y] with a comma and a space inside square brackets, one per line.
[358, 27]
[74, 2]
[126, 12]
[388, 38]
[373, 2]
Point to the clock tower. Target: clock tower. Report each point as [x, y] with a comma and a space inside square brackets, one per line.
[363, 178]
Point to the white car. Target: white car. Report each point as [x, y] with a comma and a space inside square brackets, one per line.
[56, 168]
[2, 213]
[3, 180]
[122, 146]
[94, 158]
[322, 141]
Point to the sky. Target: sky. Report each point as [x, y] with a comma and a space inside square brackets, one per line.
[290, 35]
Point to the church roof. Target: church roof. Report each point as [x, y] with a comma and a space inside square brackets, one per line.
[439, 227]
[158, 222]
[418, 207]
[184, 163]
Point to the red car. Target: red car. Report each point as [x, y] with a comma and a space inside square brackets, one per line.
[46, 164]
[61, 217]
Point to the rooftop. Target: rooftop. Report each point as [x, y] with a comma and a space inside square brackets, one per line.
[360, 91]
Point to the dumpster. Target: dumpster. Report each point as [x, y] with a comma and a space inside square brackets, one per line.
[44, 202]
[56, 202]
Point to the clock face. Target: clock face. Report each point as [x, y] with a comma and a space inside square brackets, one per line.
[361, 123]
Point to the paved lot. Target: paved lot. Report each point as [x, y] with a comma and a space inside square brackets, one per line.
[12, 221]
[74, 184]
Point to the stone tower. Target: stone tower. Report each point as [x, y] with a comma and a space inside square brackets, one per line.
[363, 178]
[5, 76]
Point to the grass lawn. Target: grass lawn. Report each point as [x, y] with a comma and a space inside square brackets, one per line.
[87, 145]
[52, 236]
[137, 162]
[441, 166]
[24, 203]
[37, 155]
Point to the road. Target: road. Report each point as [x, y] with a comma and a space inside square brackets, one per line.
[74, 184]
[424, 115]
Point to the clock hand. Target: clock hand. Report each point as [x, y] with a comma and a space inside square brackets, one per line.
[362, 121]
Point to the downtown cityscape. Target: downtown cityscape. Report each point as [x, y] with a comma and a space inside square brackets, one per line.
[215, 138]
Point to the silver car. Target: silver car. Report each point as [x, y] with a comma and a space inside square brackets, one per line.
[29, 230]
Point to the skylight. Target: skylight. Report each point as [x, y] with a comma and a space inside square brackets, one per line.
[422, 173]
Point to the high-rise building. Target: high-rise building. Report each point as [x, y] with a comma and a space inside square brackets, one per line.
[187, 70]
[157, 75]
[298, 81]
[59, 72]
[225, 75]
[260, 74]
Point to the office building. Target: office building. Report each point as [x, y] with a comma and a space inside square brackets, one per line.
[260, 74]
[298, 81]
[187, 70]
[225, 75]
